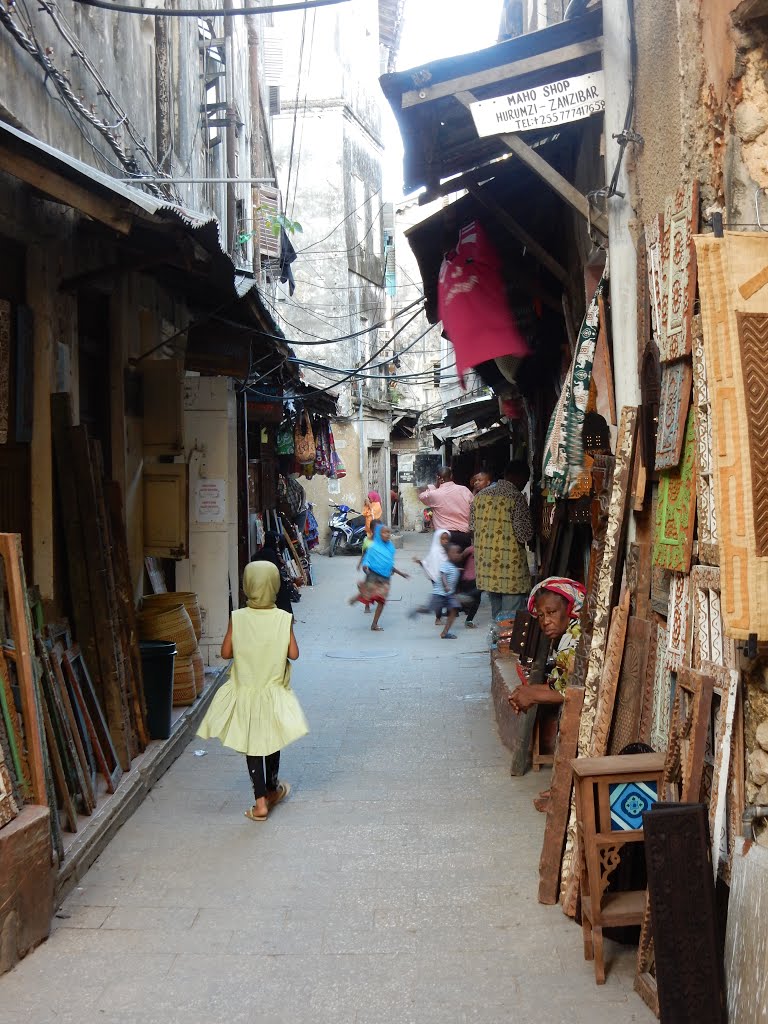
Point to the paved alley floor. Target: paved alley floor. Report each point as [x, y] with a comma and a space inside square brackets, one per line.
[396, 886]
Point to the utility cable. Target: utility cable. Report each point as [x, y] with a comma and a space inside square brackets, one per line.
[65, 90]
[207, 12]
[345, 337]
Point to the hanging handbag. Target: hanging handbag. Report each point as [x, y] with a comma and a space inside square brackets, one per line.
[285, 439]
[338, 470]
[304, 441]
[323, 456]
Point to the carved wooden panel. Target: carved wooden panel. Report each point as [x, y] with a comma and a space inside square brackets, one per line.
[681, 220]
[660, 583]
[658, 639]
[676, 509]
[632, 680]
[689, 964]
[560, 796]
[5, 367]
[650, 395]
[723, 265]
[607, 585]
[723, 713]
[608, 572]
[609, 679]
[654, 229]
[706, 641]
[674, 401]
[677, 620]
[705, 482]
[753, 341]
[662, 697]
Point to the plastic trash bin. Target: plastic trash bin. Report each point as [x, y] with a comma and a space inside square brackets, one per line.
[157, 659]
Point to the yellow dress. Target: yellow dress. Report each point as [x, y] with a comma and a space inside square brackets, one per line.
[256, 711]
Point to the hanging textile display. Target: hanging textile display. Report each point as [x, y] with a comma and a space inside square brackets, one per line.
[472, 303]
[338, 469]
[284, 441]
[734, 323]
[323, 449]
[676, 508]
[564, 448]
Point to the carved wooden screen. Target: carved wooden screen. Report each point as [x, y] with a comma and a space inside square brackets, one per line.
[706, 640]
[705, 482]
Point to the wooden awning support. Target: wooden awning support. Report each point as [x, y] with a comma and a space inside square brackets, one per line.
[59, 188]
[524, 66]
[538, 252]
[547, 173]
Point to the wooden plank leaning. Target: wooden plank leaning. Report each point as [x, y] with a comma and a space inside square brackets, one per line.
[21, 626]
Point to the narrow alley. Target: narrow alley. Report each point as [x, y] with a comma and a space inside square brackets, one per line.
[397, 884]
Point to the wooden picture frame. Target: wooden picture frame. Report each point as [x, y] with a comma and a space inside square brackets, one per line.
[690, 723]
[77, 725]
[84, 694]
[12, 727]
[724, 816]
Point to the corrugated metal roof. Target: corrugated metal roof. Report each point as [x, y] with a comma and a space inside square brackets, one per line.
[148, 210]
[439, 135]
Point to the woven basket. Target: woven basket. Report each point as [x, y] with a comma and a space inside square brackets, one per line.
[185, 597]
[198, 666]
[169, 624]
[184, 689]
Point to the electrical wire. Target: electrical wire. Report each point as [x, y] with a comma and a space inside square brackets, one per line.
[296, 108]
[203, 12]
[345, 337]
[77, 50]
[341, 222]
[64, 89]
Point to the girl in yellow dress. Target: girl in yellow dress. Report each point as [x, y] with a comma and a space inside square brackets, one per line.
[256, 712]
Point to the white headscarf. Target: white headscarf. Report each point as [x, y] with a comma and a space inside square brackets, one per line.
[437, 556]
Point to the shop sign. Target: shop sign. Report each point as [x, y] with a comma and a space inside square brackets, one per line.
[570, 99]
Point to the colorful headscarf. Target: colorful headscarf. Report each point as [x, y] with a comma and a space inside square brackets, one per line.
[374, 496]
[261, 582]
[571, 592]
[380, 556]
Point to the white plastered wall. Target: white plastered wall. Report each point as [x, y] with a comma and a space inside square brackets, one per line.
[210, 443]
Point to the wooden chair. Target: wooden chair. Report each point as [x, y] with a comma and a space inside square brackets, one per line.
[611, 795]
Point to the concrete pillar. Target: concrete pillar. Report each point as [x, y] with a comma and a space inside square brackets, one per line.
[621, 247]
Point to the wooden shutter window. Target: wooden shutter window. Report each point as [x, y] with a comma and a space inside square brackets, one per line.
[266, 205]
[166, 510]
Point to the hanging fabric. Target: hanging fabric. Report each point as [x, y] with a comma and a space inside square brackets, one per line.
[284, 441]
[323, 454]
[338, 469]
[564, 449]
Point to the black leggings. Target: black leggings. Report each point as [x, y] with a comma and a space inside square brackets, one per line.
[258, 768]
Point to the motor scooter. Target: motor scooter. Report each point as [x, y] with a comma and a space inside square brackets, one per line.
[347, 534]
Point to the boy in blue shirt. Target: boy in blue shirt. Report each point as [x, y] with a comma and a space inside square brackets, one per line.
[444, 594]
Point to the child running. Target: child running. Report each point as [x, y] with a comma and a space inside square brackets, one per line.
[256, 712]
[444, 588]
[366, 544]
[379, 565]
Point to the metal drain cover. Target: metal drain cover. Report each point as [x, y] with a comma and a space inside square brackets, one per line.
[361, 655]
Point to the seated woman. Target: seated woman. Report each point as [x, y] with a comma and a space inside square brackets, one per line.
[556, 602]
